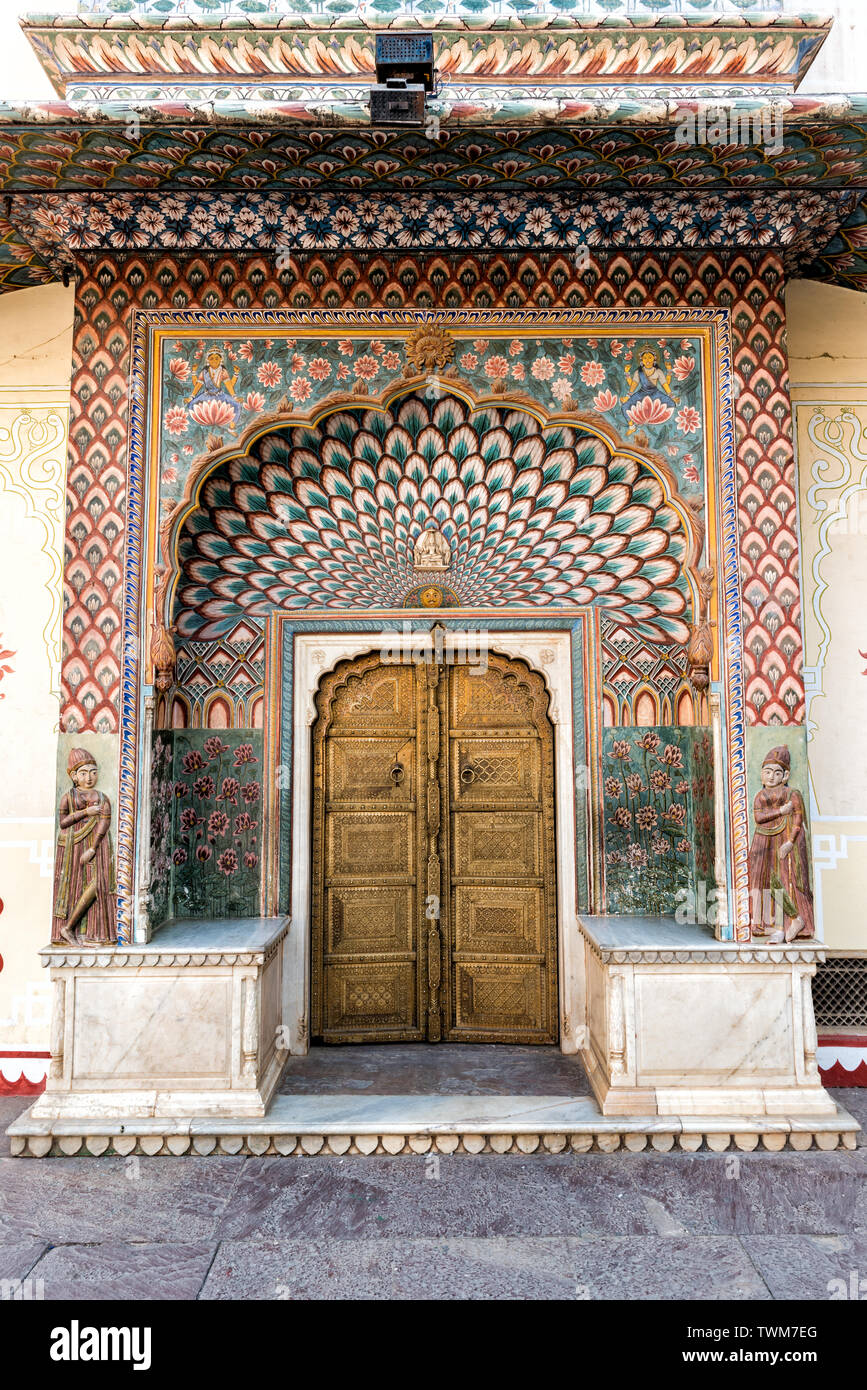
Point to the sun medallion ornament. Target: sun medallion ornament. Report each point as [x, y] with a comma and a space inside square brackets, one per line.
[431, 596]
[429, 349]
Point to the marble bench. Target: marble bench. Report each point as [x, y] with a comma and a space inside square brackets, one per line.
[188, 1022]
[679, 1023]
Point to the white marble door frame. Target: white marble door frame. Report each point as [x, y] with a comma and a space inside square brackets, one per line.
[549, 653]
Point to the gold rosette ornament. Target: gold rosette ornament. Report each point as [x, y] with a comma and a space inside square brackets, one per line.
[429, 348]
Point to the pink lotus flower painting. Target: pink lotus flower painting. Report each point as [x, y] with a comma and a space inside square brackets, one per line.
[688, 419]
[270, 373]
[648, 411]
[593, 373]
[175, 420]
[213, 413]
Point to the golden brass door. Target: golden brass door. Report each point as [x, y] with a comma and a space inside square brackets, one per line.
[434, 891]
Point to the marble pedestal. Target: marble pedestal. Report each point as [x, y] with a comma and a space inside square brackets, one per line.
[186, 1023]
[171, 1048]
[681, 1024]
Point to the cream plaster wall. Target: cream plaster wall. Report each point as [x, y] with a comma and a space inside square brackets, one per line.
[827, 334]
[839, 65]
[36, 338]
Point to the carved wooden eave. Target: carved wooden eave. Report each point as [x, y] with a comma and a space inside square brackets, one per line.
[91, 56]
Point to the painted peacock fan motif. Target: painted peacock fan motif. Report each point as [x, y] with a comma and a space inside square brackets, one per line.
[329, 517]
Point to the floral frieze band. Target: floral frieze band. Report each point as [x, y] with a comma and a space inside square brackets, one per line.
[646, 385]
[273, 223]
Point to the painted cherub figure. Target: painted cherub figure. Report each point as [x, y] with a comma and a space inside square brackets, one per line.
[779, 860]
[84, 887]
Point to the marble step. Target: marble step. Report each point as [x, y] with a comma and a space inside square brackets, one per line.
[414, 1124]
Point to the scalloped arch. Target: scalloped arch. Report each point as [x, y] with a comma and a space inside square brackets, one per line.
[326, 513]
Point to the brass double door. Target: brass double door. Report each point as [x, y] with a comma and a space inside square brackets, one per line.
[434, 899]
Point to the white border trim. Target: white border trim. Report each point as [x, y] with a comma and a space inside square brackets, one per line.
[549, 653]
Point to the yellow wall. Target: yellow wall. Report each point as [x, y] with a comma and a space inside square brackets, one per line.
[36, 338]
[827, 334]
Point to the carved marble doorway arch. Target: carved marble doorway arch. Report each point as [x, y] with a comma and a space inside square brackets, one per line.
[433, 852]
[548, 653]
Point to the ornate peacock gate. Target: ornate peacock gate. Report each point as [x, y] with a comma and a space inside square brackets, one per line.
[431, 557]
[533, 513]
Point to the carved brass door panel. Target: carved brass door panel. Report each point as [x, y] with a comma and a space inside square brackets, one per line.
[433, 855]
[366, 959]
[502, 936]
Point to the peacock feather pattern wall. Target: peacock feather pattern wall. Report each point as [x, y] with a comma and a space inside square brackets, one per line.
[113, 287]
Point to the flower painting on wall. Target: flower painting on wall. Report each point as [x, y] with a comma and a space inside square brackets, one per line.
[648, 388]
[648, 812]
[161, 828]
[703, 806]
[217, 826]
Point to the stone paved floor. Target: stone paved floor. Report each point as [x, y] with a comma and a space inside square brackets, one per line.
[677, 1226]
[447, 1069]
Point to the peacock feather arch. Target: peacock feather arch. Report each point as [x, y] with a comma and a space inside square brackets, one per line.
[537, 510]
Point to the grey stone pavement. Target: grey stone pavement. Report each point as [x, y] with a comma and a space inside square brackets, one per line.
[673, 1226]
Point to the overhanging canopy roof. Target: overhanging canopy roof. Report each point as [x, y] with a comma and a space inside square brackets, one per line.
[559, 113]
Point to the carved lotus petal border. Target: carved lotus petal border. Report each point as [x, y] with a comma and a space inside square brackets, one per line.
[717, 1139]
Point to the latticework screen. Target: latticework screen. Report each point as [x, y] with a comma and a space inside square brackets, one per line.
[840, 993]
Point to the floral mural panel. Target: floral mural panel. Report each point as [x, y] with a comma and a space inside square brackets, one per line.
[703, 807]
[162, 826]
[217, 832]
[645, 386]
[658, 816]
